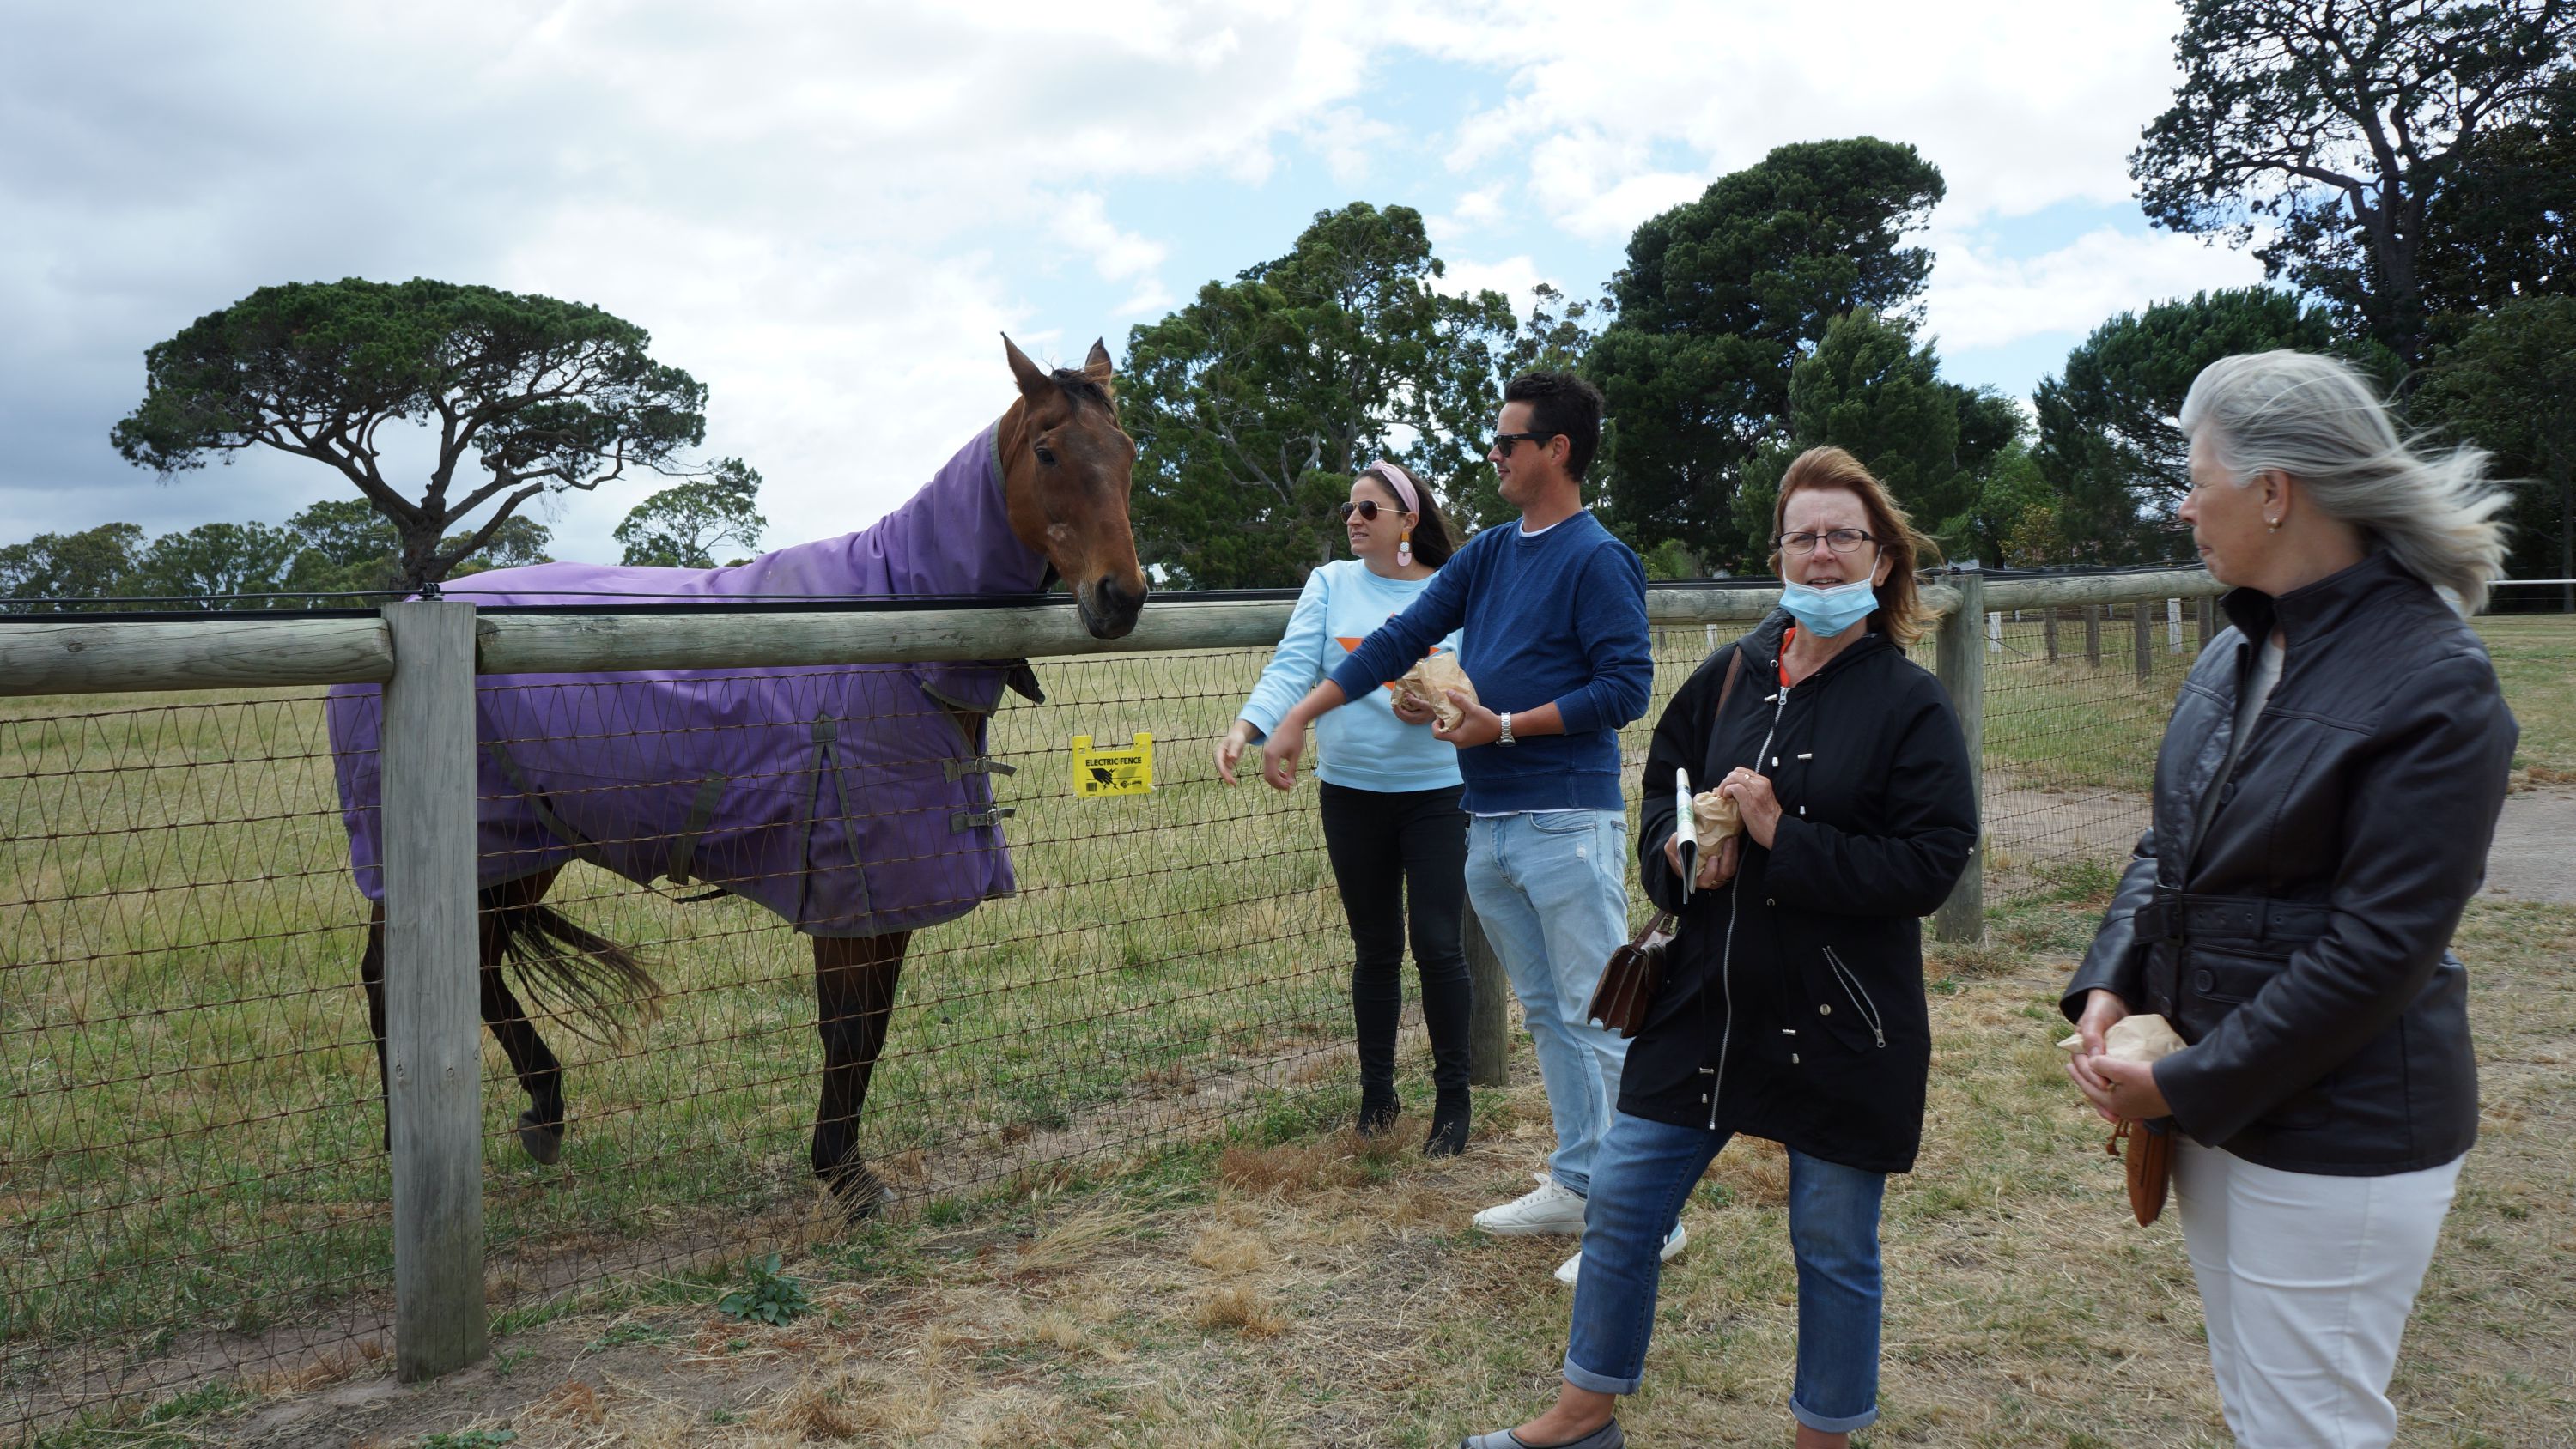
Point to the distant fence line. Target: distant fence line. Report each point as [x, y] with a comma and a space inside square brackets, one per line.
[427, 654]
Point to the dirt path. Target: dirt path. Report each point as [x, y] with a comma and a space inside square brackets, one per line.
[2534, 857]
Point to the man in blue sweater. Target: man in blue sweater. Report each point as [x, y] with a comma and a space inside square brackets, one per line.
[1554, 613]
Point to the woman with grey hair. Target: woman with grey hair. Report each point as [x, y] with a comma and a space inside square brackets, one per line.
[2324, 799]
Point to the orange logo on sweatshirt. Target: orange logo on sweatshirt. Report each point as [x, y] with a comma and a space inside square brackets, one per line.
[1352, 646]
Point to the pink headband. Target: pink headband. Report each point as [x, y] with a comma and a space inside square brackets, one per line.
[1400, 480]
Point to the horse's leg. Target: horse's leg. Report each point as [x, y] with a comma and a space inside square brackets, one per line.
[371, 971]
[541, 1125]
[854, 981]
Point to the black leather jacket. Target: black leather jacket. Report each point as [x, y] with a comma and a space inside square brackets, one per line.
[2300, 944]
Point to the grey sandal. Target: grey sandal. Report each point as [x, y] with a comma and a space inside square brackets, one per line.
[1608, 1436]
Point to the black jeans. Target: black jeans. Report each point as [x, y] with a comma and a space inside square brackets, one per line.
[1389, 847]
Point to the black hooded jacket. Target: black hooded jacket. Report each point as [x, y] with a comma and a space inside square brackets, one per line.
[2299, 937]
[1792, 1007]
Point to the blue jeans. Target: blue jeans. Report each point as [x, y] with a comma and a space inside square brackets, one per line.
[1551, 890]
[1647, 1170]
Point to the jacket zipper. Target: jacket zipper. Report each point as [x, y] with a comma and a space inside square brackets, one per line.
[1726, 952]
[1859, 995]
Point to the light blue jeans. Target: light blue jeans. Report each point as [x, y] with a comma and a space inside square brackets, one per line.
[1551, 890]
[1647, 1171]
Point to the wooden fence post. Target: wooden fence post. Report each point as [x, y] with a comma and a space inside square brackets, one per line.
[2093, 635]
[1489, 1042]
[2143, 626]
[1960, 660]
[2208, 620]
[433, 1050]
[2048, 631]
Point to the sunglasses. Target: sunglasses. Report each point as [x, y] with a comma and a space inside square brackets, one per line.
[1366, 508]
[1503, 441]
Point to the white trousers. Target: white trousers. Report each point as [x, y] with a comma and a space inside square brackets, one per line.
[2306, 1281]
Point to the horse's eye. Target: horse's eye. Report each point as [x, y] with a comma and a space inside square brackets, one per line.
[1046, 455]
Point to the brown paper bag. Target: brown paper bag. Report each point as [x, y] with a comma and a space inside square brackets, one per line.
[1428, 682]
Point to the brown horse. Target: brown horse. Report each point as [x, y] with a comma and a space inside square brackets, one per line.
[1066, 468]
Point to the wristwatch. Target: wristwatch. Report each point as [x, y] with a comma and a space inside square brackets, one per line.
[1505, 738]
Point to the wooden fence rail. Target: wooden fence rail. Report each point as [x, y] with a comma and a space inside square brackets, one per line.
[427, 654]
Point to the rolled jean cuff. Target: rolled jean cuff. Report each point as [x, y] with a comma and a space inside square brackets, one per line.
[1584, 1378]
[1809, 1417]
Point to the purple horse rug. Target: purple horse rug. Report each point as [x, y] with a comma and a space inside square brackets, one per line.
[852, 801]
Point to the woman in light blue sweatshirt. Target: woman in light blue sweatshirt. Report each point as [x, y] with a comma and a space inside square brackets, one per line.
[1392, 824]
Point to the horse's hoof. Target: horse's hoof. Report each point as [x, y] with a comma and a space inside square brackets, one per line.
[544, 1141]
[860, 1192]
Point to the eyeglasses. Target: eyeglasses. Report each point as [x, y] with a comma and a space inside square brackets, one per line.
[1840, 540]
[1367, 508]
[1503, 441]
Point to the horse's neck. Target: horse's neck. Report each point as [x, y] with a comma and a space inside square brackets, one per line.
[953, 536]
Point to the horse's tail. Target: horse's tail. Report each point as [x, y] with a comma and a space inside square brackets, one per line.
[594, 985]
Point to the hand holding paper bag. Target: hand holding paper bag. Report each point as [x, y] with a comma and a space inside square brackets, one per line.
[1427, 684]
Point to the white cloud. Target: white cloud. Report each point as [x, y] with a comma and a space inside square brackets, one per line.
[1981, 297]
[1348, 138]
[2020, 106]
[826, 213]
[1512, 276]
[1083, 221]
[1471, 212]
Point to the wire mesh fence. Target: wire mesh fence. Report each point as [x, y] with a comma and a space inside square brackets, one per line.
[195, 1184]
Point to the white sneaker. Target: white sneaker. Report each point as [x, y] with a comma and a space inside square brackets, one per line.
[1549, 1208]
[1572, 1268]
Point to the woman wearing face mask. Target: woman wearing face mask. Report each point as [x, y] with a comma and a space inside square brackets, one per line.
[1792, 1007]
[1390, 792]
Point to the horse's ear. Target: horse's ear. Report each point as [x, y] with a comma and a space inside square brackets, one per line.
[1096, 366]
[1035, 383]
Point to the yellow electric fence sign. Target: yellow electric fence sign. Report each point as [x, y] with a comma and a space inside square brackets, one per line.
[1114, 769]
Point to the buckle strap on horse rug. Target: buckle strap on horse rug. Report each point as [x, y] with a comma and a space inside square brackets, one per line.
[702, 812]
[580, 845]
[963, 820]
[2172, 916]
[957, 770]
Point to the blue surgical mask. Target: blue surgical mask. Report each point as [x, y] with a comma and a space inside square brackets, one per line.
[1828, 610]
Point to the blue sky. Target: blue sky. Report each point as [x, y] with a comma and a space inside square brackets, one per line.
[827, 212]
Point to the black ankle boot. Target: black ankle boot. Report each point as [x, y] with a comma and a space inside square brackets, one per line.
[1379, 1107]
[1449, 1119]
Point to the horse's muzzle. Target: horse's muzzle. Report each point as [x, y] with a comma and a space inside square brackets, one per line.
[1109, 609]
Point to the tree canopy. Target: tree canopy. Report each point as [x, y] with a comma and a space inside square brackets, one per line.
[1255, 403]
[545, 395]
[681, 526]
[338, 546]
[2509, 386]
[2506, 225]
[1872, 390]
[2338, 124]
[1719, 300]
[2109, 445]
[91, 564]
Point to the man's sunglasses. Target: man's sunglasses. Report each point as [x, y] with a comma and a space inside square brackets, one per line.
[1367, 508]
[1503, 441]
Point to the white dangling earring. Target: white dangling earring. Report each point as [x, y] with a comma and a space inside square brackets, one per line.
[1404, 550]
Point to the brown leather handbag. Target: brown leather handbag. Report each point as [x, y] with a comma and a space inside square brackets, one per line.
[1630, 981]
[2150, 1163]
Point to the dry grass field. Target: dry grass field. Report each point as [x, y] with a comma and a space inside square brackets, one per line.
[1109, 1104]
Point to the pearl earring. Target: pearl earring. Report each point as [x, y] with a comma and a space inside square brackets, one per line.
[2272, 525]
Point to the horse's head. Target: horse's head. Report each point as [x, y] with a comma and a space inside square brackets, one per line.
[1066, 467]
